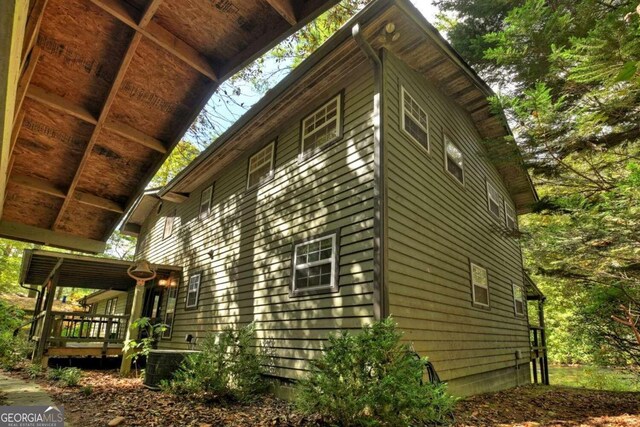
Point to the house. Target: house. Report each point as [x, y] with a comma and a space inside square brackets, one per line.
[375, 180]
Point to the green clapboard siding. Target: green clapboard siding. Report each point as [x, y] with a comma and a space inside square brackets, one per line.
[121, 304]
[250, 235]
[435, 227]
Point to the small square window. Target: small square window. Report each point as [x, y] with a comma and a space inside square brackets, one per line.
[454, 160]
[261, 166]
[205, 201]
[315, 265]
[168, 224]
[323, 126]
[493, 200]
[510, 217]
[415, 121]
[479, 285]
[193, 291]
[518, 299]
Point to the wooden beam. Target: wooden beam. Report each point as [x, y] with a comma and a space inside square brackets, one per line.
[42, 236]
[98, 202]
[135, 135]
[59, 103]
[44, 186]
[151, 9]
[13, 20]
[37, 184]
[285, 9]
[115, 86]
[33, 27]
[159, 35]
[25, 79]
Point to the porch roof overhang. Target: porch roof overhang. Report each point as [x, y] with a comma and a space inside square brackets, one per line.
[79, 271]
[94, 95]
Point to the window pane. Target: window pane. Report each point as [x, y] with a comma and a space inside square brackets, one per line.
[321, 127]
[260, 165]
[481, 295]
[411, 126]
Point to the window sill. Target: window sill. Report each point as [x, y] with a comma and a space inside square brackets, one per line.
[314, 291]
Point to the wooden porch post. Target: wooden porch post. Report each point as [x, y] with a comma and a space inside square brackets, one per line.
[48, 317]
[132, 333]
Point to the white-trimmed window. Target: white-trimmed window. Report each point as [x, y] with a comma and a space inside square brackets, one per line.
[261, 166]
[171, 297]
[315, 264]
[518, 299]
[415, 121]
[205, 201]
[510, 217]
[479, 285]
[454, 159]
[193, 291]
[323, 126]
[168, 224]
[493, 200]
[110, 308]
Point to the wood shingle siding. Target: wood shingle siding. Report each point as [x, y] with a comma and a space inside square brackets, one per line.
[436, 226]
[243, 248]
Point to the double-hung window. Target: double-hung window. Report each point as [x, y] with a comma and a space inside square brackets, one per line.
[510, 217]
[261, 166]
[315, 264]
[415, 121]
[454, 159]
[205, 201]
[323, 126]
[479, 285]
[493, 200]
[518, 299]
[193, 291]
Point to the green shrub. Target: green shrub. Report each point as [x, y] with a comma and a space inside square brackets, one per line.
[66, 377]
[12, 349]
[371, 379]
[35, 370]
[227, 367]
[54, 374]
[87, 390]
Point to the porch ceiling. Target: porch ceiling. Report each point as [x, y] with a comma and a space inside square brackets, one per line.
[79, 271]
[104, 89]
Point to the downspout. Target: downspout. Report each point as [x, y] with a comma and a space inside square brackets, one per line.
[380, 301]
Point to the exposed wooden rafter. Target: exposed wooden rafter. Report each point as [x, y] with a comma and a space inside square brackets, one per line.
[33, 27]
[44, 186]
[159, 35]
[25, 78]
[58, 103]
[285, 9]
[115, 86]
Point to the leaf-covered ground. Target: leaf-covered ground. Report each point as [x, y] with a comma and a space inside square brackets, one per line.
[111, 396]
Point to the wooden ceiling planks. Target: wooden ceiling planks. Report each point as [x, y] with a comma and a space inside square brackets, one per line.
[107, 89]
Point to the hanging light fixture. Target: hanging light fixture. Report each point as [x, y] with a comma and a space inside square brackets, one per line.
[141, 272]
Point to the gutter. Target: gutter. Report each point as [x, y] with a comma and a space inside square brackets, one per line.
[380, 299]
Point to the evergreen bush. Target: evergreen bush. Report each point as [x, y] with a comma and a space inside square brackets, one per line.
[227, 367]
[372, 379]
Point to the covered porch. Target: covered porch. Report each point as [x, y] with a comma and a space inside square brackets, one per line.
[103, 327]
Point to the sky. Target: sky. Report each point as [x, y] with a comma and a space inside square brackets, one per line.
[225, 112]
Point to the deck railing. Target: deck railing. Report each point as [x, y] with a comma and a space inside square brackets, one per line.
[539, 362]
[80, 327]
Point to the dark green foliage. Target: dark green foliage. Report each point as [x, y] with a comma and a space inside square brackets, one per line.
[228, 367]
[35, 370]
[13, 350]
[371, 379]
